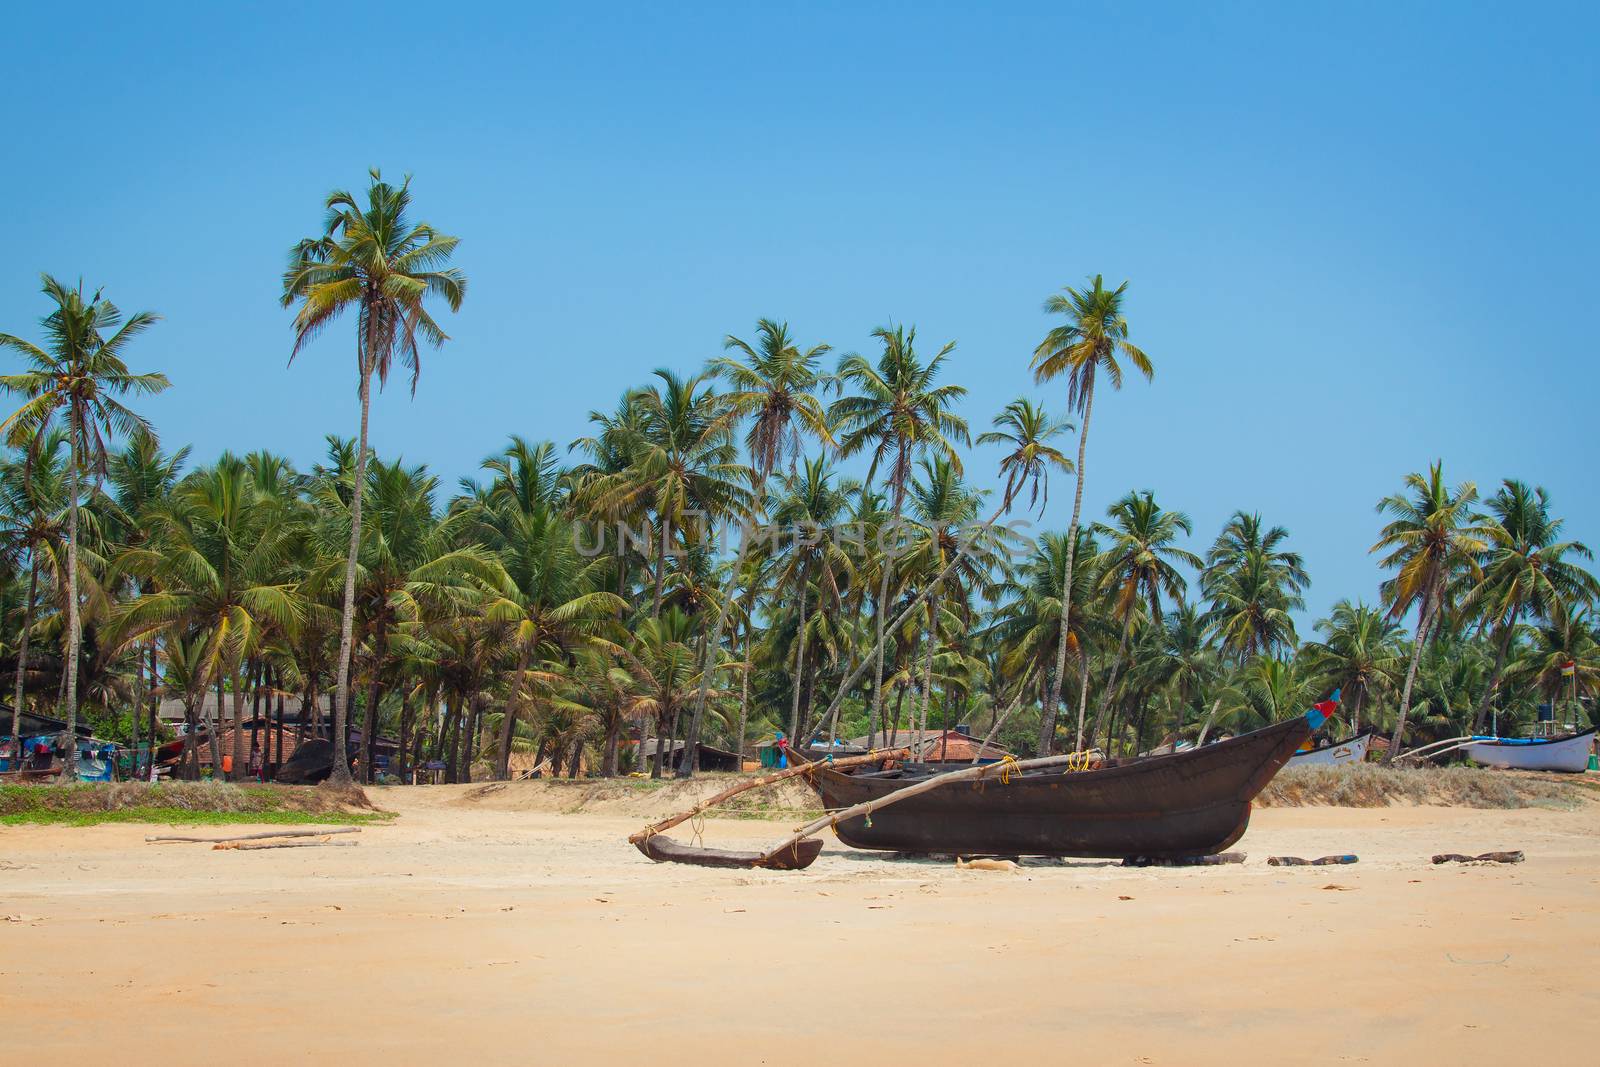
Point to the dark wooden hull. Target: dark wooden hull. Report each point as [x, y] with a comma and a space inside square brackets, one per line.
[664, 849]
[1190, 803]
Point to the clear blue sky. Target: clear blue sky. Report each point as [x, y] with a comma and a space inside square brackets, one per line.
[1360, 236]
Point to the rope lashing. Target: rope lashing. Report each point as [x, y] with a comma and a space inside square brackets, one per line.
[1008, 765]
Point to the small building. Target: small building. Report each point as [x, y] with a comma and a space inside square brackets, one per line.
[951, 746]
[707, 757]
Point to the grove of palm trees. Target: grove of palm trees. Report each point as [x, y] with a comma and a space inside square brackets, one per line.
[789, 536]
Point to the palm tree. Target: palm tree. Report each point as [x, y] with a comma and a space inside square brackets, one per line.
[1094, 338]
[1253, 585]
[683, 466]
[1526, 571]
[547, 595]
[807, 512]
[1026, 464]
[142, 477]
[374, 260]
[661, 661]
[1566, 636]
[1357, 654]
[1138, 567]
[774, 387]
[897, 414]
[218, 556]
[408, 570]
[961, 558]
[32, 493]
[1431, 538]
[80, 372]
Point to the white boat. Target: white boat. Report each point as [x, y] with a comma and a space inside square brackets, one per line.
[1570, 753]
[1353, 750]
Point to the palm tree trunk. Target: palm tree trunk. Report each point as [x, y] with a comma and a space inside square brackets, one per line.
[1205, 728]
[1430, 609]
[22, 653]
[1004, 717]
[452, 727]
[1503, 646]
[508, 723]
[402, 753]
[1083, 692]
[661, 568]
[1053, 700]
[799, 658]
[876, 717]
[69, 769]
[1116, 669]
[238, 731]
[155, 707]
[744, 693]
[927, 670]
[663, 737]
[277, 724]
[1357, 698]
[369, 731]
[608, 760]
[347, 619]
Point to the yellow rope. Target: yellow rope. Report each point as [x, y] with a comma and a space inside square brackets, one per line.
[697, 825]
[1008, 764]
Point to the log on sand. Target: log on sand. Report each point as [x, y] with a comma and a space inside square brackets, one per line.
[638, 839]
[251, 846]
[257, 837]
[1484, 857]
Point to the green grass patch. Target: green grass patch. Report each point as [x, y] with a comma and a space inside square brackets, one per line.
[175, 803]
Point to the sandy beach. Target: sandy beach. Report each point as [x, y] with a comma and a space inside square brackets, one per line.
[492, 929]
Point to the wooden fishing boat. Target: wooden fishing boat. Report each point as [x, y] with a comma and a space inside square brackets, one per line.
[664, 849]
[1190, 803]
[1569, 753]
[1351, 750]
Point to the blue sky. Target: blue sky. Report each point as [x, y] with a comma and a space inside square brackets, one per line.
[1359, 236]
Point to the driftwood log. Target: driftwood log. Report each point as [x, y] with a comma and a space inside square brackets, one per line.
[966, 774]
[257, 837]
[251, 846]
[771, 779]
[1218, 860]
[1296, 861]
[1485, 857]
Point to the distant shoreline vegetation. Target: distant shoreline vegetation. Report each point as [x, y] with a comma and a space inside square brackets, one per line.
[699, 569]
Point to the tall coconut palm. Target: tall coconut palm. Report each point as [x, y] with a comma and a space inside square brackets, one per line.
[684, 467]
[1431, 538]
[774, 388]
[1025, 431]
[1566, 636]
[217, 556]
[1139, 566]
[1093, 339]
[142, 478]
[548, 597]
[32, 498]
[1357, 654]
[374, 260]
[1026, 463]
[80, 374]
[1254, 584]
[1528, 570]
[408, 570]
[661, 661]
[961, 556]
[807, 512]
[896, 414]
